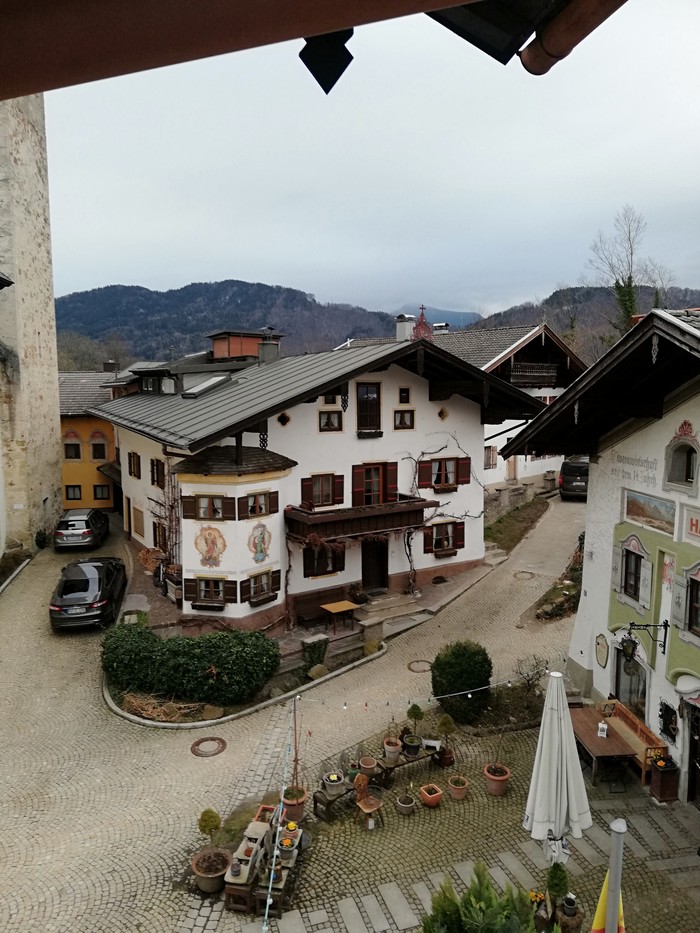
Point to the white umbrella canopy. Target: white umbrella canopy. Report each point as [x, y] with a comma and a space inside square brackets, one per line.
[557, 803]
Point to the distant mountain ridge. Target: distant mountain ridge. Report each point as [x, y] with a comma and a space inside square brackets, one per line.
[166, 325]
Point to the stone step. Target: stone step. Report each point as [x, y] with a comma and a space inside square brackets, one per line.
[404, 623]
[494, 557]
[386, 609]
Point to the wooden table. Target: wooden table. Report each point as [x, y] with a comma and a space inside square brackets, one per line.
[585, 722]
[386, 769]
[342, 610]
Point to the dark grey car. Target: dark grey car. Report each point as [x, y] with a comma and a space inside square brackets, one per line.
[88, 593]
[81, 528]
[573, 478]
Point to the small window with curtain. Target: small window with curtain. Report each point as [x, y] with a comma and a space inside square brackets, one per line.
[259, 503]
[71, 450]
[99, 450]
[101, 491]
[210, 590]
[210, 508]
[330, 421]
[73, 493]
[404, 419]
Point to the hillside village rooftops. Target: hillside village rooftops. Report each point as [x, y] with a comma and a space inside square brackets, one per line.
[263, 390]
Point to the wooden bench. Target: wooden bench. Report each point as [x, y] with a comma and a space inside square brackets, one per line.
[306, 607]
[638, 735]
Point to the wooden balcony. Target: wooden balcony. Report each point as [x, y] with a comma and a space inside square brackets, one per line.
[534, 375]
[406, 512]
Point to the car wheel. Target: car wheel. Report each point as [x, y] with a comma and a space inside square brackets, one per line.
[564, 498]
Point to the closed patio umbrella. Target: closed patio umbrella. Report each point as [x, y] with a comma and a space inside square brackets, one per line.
[557, 803]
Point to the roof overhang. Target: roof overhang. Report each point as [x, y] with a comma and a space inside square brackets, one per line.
[650, 370]
[57, 43]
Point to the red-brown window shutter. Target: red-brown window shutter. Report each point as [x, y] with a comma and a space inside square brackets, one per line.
[276, 580]
[428, 540]
[228, 508]
[307, 490]
[392, 482]
[458, 537]
[274, 502]
[230, 591]
[188, 507]
[358, 485]
[243, 507]
[245, 591]
[425, 473]
[338, 489]
[190, 590]
[464, 470]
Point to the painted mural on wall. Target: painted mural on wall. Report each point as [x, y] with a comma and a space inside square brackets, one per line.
[658, 514]
[259, 542]
[211, 544]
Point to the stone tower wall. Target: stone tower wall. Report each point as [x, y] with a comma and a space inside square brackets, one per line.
[30, 446]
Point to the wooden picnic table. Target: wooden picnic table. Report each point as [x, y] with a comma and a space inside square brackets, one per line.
[342, 610]
[585, 722]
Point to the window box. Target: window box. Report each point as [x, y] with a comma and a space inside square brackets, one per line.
[209, 607]
[366, 435]
[445, 552]
[445, 487]
[262, 599]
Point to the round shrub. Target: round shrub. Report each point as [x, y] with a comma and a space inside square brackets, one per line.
[130, 657]
[462, 666]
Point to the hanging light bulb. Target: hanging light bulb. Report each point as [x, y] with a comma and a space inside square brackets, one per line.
[510, 683]
[345, 705]
[469, 696]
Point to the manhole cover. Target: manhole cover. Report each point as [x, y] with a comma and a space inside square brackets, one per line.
[208, 747]
[419, 667]
[523, 575]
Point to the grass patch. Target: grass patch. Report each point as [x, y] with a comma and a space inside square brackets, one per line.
[511, 528]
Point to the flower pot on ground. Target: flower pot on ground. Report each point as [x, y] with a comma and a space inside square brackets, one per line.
[406, 804]
[286, 848]
[412, 744]
[294, 797]
[368, 765]
[497, 777]
[334, 784]
[446, 727]
[209, 866]
[431, 795]
[457, 785]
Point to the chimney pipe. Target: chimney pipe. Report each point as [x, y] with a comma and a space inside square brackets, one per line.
[404, 327]
[268, 350]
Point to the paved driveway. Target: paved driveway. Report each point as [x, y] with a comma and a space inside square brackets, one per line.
[98, 815]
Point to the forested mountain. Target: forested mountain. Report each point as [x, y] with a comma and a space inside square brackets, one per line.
[128, 322]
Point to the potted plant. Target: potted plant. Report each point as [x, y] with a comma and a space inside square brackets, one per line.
[392, 744]
[431, 795]
[334, 784]
[406, 803]
[357, 595]
[446, 727]
[412, 743]
[557, 883]
[497, 774]
[457, 785]
[210, 864]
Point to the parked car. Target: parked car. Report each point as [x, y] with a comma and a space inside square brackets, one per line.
[573, 478]
[81, 528]
[88, 593]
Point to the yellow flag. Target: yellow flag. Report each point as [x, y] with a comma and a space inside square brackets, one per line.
[599, 919]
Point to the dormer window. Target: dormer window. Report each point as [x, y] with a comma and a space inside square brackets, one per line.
[150, 384]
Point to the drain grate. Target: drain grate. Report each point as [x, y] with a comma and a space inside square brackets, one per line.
[419, 667]
[207, 747]
[523, 575]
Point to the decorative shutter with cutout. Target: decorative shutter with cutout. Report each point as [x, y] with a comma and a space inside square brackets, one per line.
[679, 609]
[425, 474]
[243, 507]
[189, 590]
[188, 507]
[228, 508]
[230, 591]
[338, 489]
[245, 591]
[459, 535]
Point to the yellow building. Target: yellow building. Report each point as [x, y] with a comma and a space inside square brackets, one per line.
[88, 442]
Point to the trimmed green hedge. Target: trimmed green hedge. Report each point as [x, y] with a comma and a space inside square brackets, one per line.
[225, 668]
[460, 667]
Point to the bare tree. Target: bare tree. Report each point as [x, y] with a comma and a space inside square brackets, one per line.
[617, 261]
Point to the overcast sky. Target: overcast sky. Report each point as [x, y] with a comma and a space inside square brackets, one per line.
[431, 173]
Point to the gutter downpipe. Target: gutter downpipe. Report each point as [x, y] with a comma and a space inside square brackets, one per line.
[560, 36]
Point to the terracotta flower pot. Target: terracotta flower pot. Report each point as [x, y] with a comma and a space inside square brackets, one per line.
[458, 791]
[368, 765]
[431, 795]
[294, 804]
[497, 777]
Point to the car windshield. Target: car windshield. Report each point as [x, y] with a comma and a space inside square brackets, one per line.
[72, 524]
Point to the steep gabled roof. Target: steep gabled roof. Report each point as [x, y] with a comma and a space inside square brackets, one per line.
[79, 391]
[633, 384]
[264, 390]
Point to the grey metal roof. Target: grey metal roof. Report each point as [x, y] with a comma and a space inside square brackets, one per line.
[265, 389]
[224, 460]
[79, 391]
[689, 316]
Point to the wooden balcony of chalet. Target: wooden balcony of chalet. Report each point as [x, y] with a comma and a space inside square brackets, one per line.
[404, 512]
[534, 375]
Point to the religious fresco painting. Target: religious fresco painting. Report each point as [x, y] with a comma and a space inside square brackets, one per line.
[211, 544]
[658, 514]
[259, 542]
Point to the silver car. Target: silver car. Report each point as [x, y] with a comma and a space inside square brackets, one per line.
[81, 528]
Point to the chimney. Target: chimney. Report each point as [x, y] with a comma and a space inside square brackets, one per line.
[440, 328]
[108, 366]
[404, 327]
[268, 349]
